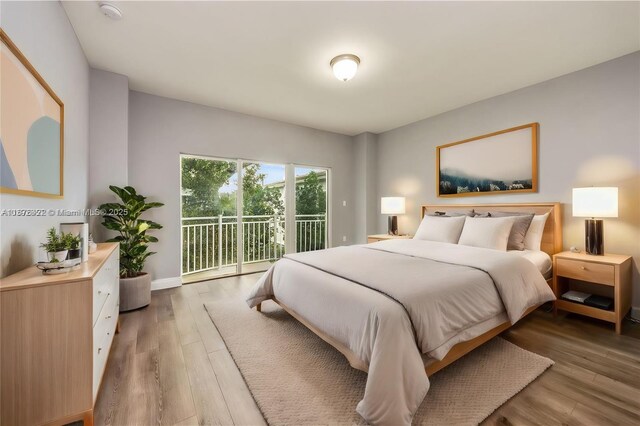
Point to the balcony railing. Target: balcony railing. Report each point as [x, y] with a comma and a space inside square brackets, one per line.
[209, 243]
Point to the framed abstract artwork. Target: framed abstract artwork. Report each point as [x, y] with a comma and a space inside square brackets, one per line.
[31, 128]
[497, 163]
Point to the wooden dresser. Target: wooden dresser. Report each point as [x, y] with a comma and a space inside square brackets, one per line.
[56, 333]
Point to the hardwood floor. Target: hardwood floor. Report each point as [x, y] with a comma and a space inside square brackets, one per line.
[169, 366]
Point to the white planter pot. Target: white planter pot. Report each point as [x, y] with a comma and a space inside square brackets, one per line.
[60, 256]
[135, 292]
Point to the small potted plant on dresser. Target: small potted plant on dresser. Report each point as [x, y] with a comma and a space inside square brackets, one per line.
[56, 246]
[73, 244]
[124, 218]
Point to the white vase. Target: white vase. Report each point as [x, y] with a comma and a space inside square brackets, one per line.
[60, 256]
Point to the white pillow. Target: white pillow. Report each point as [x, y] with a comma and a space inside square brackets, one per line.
[491, 233]
[534, 233]
[440, 228]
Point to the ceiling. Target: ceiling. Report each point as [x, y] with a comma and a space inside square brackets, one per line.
[418, 59]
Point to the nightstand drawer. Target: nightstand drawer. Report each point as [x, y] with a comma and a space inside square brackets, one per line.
[586, 271]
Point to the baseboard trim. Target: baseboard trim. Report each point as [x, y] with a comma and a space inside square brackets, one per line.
[166, 283]
[635, 312]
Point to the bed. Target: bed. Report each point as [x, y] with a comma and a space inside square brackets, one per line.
[350, 297]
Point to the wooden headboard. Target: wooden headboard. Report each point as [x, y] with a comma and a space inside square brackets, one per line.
[551, 237]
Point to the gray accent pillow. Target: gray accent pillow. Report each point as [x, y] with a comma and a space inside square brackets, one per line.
[519, 229]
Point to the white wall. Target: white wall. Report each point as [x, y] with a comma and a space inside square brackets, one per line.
[589, 136]
[108, 140]
[161, 128]
[43, 33]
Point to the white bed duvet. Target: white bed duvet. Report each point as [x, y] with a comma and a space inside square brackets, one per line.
[392, 301]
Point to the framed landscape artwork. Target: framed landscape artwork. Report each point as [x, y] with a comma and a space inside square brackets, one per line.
[500, 162]
[31, 128]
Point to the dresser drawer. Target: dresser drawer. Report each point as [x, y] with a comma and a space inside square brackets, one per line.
[106, 282]
[103, 333]
[106, 321]
[99, 296]
[586, 271]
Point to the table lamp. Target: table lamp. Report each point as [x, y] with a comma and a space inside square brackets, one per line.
[392, 206]
[595, 202]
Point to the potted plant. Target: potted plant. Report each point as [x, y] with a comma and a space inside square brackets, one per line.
[56, 246]
[73, 244]
[124, 218]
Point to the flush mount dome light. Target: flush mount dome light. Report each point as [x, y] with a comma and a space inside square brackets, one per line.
[110, 11]
[345, 66]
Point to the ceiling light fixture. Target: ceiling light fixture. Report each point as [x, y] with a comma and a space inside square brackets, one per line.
[110, 11]
[345, 66]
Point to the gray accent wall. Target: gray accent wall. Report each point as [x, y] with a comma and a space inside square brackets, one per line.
[42, 32]
[589, 136]
[108, 140]
[366, 204]
[160, 129]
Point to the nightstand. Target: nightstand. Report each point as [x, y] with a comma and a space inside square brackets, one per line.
[608, 275]
[382, 237]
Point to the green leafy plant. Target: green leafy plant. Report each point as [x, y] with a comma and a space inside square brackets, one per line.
[72, 242]
[55, 243]
[124, 218]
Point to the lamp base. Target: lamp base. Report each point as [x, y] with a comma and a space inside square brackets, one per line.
[594, 236]
[393, 225]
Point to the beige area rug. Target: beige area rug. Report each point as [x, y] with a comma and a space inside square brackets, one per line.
[298, 379]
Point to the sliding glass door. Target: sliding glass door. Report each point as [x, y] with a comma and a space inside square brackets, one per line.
[263, 215]
[240, 216]
[209, 191]
[311, 208]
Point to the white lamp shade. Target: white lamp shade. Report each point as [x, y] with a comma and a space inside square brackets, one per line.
[392, 205]
[595, 202]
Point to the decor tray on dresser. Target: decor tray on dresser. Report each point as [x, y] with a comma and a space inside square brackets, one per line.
[57, 331]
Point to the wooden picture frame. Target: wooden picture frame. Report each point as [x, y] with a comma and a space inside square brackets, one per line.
[32, 128]
[496, 163]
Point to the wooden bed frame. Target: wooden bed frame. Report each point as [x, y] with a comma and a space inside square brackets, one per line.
[551, 244]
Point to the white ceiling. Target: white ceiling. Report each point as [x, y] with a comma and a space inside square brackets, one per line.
[419, 59]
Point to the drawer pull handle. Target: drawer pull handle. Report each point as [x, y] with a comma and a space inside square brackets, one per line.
[584, 268]
[99, 350]
[99, 291]
[107, 317]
